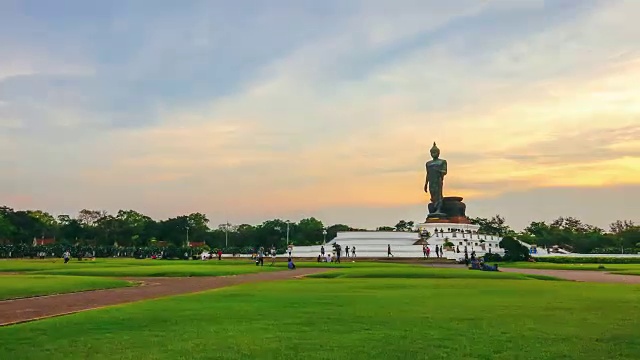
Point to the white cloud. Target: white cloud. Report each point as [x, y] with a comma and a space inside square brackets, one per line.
[322, 126]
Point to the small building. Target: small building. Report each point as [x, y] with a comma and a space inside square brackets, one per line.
[44, 241]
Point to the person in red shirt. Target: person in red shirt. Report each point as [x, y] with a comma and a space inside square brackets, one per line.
[219, 254]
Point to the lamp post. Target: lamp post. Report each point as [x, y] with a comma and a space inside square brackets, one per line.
[226, 234]
[287, 232]
[187, 227]
[324, 236]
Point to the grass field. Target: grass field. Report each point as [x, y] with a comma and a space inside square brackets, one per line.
[180, 268]
[17, 286]
[367, 315]
[367, 310]
[628, 272]
[415, 272]
[131, 267]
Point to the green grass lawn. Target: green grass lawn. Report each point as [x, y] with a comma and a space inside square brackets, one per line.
[17, 286]
[418, 272]
[173, 270]
[371, 314]
[627, 272]
[132, 267]
[591, 267]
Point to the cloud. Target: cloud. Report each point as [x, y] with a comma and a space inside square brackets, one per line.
[196, 111]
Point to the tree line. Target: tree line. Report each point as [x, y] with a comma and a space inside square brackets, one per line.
[131, 229]
[569, 233]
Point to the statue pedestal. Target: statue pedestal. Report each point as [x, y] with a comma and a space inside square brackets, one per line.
[453, 211]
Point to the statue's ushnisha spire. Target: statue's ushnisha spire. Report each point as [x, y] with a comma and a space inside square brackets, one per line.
[434, 147]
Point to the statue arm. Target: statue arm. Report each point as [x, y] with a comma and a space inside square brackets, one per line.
[444, 168]
[426, 182]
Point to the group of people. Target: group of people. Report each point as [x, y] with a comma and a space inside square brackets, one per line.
[426, 251]
[336, 254]
[209, 255]
[260, 254]
[479, 264]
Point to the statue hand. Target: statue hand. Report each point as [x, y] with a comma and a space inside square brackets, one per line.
[426, 188]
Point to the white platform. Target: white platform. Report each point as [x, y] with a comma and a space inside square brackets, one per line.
[403, 244]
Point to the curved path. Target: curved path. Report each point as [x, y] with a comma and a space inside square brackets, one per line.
[579, 275]
[35, 308]
[573, 275]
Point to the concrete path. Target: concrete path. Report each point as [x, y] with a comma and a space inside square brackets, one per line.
[579, 275]
[574, 275]
[35, 308]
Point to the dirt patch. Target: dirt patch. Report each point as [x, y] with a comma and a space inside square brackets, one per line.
[29, 309]
[579, 275]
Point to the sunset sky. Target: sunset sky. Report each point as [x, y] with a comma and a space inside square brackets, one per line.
[252, 110]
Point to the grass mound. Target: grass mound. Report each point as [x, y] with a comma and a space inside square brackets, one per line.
[169, 270]
[424, 273]
[19, 286]
[577, 266]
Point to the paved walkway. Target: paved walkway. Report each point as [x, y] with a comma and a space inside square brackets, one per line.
[579, 275]
[574, 275]
[29, 309]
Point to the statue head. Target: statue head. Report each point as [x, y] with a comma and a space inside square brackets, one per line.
[435, 152]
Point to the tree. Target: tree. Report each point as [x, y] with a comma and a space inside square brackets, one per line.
[6, 227]
[133, 227]
[90, 217]
[496, 225]
[308, 232]
[403, 225]
[513, 249]
[385, 228]
[333, 230]
[573, 225]
[620, 226]
[70, 229]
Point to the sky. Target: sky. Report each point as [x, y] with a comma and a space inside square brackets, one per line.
[253, 110]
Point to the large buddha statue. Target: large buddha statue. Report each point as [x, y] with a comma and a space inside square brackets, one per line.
[436, 170]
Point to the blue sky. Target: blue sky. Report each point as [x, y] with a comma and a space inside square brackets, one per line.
[261, 109]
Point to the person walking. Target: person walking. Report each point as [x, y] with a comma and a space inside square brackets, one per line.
[389, 254]
[428, 251]
[346, 251]
[273, 255]
[260, 257]
[353, 251]
[322, 251]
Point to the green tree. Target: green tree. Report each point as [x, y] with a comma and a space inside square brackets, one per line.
[385, 228]
[513, 249]
[7, 229]
[403, 225]
[333, 230]
[309, 231]
[496, 225]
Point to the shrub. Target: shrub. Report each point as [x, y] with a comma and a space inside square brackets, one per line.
[514, 250]
[489, 257]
